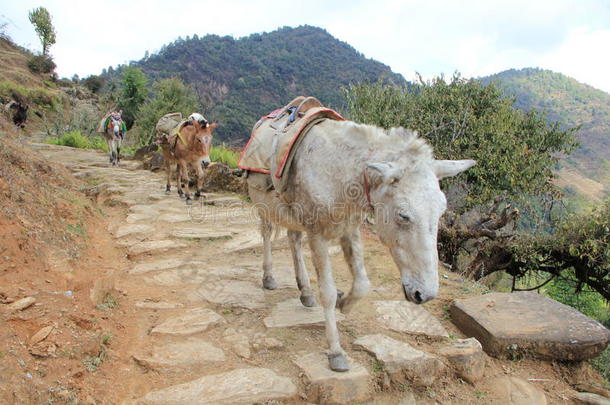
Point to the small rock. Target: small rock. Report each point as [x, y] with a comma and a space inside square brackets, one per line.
[101, 288]
[588, 398]
[467, 356]
[515, 391]
[239, 341]
[325, 386]
[21, 304]
[401, 361]
[41, 335]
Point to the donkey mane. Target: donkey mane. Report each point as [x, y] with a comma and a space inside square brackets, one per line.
[399, 142]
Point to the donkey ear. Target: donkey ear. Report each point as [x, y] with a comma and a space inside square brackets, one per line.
[380, 172]
[449, 168]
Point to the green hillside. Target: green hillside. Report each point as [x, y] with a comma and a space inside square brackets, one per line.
[573, 103]
[238, 80]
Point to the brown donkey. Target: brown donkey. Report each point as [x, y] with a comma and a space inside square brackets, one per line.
[190, 145]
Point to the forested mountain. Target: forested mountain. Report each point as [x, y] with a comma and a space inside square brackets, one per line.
[570, 102]
[238, 80]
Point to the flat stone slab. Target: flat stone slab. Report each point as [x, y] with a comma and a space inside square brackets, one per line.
[401, 360]
[467, 357]
[202, 274]
[188, 352]
[194, 321]
[132, 229]
[515, 391]
[158, 305]
[154, 246]
[201, 232]
[527, 322]
[404, 316]
[175, 218]
[241, 386]
[139, 216]
[292, 313]
[232, 293]
[325, 386]
[162, 264]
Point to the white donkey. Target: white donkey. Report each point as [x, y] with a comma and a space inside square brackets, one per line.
[114, 137]
[340, 172]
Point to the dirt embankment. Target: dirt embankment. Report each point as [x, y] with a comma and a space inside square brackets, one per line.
[53, 247]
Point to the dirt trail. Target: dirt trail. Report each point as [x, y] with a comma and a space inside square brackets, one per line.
[193, 308]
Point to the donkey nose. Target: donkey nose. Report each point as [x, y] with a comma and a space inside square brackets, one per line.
[417, 297]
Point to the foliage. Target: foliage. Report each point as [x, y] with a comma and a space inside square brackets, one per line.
[169, 95]
[29, 95]
[75, 139]
[239, 80]
[132, 95]
[41, 20]
[573, 103]
[94, 83]
[576, 253]
[41, 64]
[224, 155]
[462, 119]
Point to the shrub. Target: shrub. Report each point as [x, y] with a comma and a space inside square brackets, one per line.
[75, 139]
[41, 64]
[224, 155]
[94, 83]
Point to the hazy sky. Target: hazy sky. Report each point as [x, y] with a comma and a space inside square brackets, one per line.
[475, 37]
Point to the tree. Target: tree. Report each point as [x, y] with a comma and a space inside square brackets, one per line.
[133, 93]
[170, 95]
[41, 19]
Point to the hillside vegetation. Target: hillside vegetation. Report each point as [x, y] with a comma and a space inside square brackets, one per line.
[238, 80]
[572, 103]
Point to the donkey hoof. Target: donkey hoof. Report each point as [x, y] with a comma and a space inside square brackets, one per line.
[338, 362]
[189, 201]
[308, 301]
[269, 283]
[340, 295]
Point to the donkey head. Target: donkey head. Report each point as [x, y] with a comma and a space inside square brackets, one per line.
[408, 204]
[202, 139]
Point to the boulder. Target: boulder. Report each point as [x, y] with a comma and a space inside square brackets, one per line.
[401, 361]
[154, 162]
[526, 322]
[324, 386]
[145, 151]
[467, 357]
[220, 177]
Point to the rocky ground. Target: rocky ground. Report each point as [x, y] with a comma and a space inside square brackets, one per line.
[194, 325]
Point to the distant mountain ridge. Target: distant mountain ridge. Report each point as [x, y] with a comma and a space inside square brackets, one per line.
[570, 102]
[238, 80]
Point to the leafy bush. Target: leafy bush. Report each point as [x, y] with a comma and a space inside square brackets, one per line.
[170, 95]
[94, 83]
[75, 139]
[26, 95]
[41, 64]
[224, 155]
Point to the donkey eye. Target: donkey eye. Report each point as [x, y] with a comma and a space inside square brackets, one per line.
[404, 218]
[394, 181]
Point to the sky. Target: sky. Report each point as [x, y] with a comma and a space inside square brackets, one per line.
[430, 37]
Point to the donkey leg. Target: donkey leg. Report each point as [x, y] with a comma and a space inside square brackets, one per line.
[328, 293]
[300, 270]
[109, 143]
[200, 174]
[184, 181]
[119, 141]
[178, 174]
[168, 175]
[266, 232]
[352, 251]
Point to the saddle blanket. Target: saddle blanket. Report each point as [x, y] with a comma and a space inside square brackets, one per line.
[104, 124]
[276, 137]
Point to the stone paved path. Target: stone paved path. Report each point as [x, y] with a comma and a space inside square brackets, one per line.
[206, 330]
